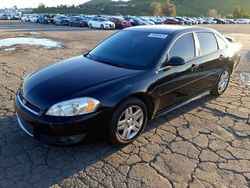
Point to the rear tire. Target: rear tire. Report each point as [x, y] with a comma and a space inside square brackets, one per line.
[222, 83]
[90, 26]
[102, 27]
[128, 121]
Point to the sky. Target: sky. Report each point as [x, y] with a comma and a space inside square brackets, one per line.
[35, 3]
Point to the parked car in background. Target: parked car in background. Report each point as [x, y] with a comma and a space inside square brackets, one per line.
[193, 21]
[85, 21]
[147, 21]
[157, 21]
[231, 21]
[34, 18]
[199, 20]
[243, 21]
[135, 21]
[4, 17]
[14, 17]
[25, 18]
[221, 21]
[120, 23]
[76, 21]
[185, 21]
[209, 21]
[173, 21]
[43, 18]
[101, 23]
[51, 18]
[61, 20]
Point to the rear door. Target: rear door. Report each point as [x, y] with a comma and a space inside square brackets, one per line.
[211, 59]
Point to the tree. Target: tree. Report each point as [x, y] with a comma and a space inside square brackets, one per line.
[14, 7]
[168, 8]
[41, 6]
[240, 12]
[157, 9]
[213, 13]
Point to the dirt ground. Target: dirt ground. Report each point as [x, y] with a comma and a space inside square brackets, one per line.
[204, 144]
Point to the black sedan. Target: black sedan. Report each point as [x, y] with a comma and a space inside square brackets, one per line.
[221, 21]
[77, 21]
[61, 20]
[135, 75]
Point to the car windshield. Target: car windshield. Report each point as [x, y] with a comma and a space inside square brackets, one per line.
[103, 19]
[77, 18]
[130, 49]
[137, 19]
[121, 19]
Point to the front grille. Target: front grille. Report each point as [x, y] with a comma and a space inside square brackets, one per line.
[28, 105]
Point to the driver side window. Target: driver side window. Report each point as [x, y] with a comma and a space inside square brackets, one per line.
[183, 47]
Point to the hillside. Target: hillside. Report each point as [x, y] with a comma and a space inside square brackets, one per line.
[143, 7]
[184, 7]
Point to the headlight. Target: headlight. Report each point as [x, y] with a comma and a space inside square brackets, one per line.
[74, 107]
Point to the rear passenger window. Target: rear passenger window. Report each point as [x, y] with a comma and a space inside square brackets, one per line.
[222, 44]
[184, 47]
[208, 43]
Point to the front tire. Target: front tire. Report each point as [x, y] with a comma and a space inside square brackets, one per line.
[128, 121]
[222, 83]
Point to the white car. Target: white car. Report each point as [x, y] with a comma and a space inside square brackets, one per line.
[243, 21]
[25, 18]
[101, 23]
[34, 18]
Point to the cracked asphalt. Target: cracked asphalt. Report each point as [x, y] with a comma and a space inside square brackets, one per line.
[203, 144]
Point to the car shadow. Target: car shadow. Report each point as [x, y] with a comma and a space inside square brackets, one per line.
[24, 159]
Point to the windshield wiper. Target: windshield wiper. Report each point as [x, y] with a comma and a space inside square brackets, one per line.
[110, 63]
[88, 55]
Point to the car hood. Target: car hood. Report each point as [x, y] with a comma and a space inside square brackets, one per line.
[107, 22]
[56, 82]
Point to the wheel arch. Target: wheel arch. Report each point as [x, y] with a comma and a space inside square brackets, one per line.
[146, 98]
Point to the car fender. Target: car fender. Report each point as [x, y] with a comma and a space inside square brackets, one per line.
[112, 93]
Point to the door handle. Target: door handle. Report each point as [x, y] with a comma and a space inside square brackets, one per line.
[194, 67]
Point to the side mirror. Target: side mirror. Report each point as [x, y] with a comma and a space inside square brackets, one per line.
[230, 39]
[176, 61]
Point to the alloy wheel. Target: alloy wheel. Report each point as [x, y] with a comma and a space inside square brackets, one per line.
[130, 123]
[224, 79]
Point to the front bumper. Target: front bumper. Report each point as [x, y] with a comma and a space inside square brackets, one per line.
[64, 22]
[61, 130]
[109, 26]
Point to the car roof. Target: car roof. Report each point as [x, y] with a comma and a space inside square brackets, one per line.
[169, 29]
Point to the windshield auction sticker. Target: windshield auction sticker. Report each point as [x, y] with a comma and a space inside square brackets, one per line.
[157, 35]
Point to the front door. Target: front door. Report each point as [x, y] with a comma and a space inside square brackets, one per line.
[179, 83]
